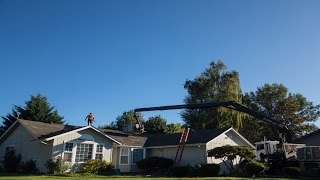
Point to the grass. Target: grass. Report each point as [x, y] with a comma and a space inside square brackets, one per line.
[95, 177]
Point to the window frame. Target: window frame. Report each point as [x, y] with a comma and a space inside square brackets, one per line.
[92, 152]
[128, 156]
[68, 152]
[10, 147]
[75, 143]
[96, 150]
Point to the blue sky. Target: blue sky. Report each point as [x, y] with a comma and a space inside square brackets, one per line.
[107, 57]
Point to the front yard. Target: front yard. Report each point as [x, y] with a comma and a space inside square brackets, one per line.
[93, 177]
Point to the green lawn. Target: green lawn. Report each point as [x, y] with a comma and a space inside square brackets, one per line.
[77, 177]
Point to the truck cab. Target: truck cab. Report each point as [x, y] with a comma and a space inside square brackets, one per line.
[264, 148]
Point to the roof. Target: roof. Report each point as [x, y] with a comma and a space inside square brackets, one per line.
[194, 137]
[42, 130]
[47, 131]
[308, 135]
[152, 140]
[126, 139]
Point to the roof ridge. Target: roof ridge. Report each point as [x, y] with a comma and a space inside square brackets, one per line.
[40, 122]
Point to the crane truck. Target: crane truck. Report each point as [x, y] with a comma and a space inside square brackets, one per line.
[271, 151]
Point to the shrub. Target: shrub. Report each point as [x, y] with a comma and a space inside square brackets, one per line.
[229, 154]
[106, 168]
[154, 163]
[178, 171]
[96, 166]
[254, 168]
[291, 171]
[209, 170]
[57, 166]
[11, 162]
[90, 166]
[29, 166]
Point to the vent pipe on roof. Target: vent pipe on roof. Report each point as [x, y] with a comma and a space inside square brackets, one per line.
[18, 114]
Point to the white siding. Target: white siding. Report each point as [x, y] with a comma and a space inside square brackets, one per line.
[130, 167]
[116, 159]
[28, 147]
[33, 149]
[192, 155]
[229, 138]
[58, 143]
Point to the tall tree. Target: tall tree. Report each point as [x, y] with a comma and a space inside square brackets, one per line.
[36, 109]
[155, 125]
[275, 101]
[173, 128]
[127, 118]
[39, 109]
[213, 85]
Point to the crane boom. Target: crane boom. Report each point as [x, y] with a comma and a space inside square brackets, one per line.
[279, 124]
[227, 104]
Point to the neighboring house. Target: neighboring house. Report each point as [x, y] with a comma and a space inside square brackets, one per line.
[40, 141]
[309, 156]
[311, 139]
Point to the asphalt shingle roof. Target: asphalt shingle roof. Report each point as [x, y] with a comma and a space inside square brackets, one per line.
[194, 137]
[124, 138]
[308, 135]
[151, 140]
[42, 130]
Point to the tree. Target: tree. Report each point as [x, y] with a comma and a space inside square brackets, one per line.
[36, 109]
[275, 101]
[155, 125]
[213, 85]
[228, 155]
[9, 119]
[112, 125]
[126, 118]
[173, 128]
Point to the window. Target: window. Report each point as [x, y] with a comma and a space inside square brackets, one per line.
[99, 151]
[84, 152]
[67, 155]
[124, 156]
[8, 149]
[260, 147]
[137, 155]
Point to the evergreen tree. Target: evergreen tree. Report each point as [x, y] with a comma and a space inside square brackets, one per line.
[36, 109]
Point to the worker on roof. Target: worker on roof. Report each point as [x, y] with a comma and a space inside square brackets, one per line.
[90, 119]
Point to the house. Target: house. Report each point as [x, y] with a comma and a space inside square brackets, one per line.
[311, 139]
[309, 156]
[41, 141]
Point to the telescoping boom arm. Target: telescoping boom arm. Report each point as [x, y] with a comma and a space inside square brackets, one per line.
[280, 124]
